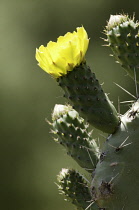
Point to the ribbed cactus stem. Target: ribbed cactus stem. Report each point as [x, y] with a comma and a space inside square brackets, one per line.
[83, 90]
[73, 134]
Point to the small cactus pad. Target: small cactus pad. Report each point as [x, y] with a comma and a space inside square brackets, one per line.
[85, 93]
[73, 134]
[123, 38]
[75, 189]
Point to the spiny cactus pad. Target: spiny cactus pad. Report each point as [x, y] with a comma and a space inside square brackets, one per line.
[123, 38]
[75, 188]
[73, 134]
[85, 93]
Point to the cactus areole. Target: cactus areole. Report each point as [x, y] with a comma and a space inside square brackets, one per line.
[114, 164]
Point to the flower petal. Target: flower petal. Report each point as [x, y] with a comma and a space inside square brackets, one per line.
[57, 58]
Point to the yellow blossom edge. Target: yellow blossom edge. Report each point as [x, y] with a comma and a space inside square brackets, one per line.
[57, 58]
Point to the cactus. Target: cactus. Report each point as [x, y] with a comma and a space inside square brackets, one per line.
[123, 38]
[113, 165]
[74, 136]
[71, 181]
[87, 96]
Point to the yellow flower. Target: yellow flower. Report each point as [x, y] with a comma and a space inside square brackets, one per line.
[57, 58]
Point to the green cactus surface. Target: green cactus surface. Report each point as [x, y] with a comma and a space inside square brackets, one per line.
[123, 38]
[72, 133]
[75, 189]
[115, 185]
[85, 93]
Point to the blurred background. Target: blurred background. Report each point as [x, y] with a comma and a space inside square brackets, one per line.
[29, 158]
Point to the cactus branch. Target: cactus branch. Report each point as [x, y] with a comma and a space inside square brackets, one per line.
[123, 38]
[75, 189]
[83, 90]
[73, 134]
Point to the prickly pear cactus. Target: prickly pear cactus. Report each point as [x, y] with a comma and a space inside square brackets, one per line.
[73, 134]
[123, 38]
[114, 168]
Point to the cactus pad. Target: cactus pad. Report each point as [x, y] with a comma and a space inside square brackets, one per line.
[85, 93]
[73, 134]
[123, 38]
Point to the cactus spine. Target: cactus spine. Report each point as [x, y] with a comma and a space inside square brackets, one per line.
[114, 182]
